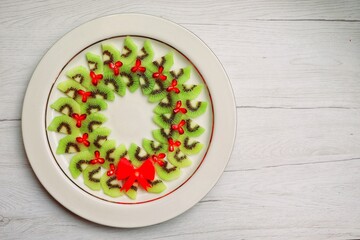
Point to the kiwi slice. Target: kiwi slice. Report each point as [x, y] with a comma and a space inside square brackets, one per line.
[189, 91]
[92, 175]
[110, 54]
[79, 162]
[137, 155]
[64, 124]
[158, 92]
[165, 61]
[98, 137]
[70, 88]
[157, 186]
[178, 158]
[192, 129]
[111, 186]
[181, 75]
[107, 151]
[167, 172]
[163, 134]
[130, 80]
[119, 153]
[69, 144]
[95, 62]
[93, 105]
[129, 51]
[146, 83]
[146, 53]
[66, 106]
[190, 146]
[102, 92]
[132, 192]
[92, 122]
[167, 119]
[167, 104]
[81, 75]
[115, 83]
[153, 147]
[195, 108]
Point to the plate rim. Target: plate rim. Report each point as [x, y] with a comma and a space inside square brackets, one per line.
[166, 208]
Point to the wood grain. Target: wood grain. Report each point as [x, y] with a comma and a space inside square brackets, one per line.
[294, 171]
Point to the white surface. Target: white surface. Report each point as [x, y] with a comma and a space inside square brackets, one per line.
[294, 172]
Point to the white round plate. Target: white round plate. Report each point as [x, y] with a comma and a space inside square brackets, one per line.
[195, 183]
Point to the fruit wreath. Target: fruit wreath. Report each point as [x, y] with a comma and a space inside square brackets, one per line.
[119, 170]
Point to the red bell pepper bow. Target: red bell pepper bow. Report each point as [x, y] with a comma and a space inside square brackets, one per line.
[126, 171]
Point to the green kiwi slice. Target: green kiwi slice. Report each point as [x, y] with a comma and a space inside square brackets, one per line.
[95, 62]
[195, 108]
[64, 124]
[70, 88]
[189, 91]
[157, 186]
[165, 61]
[158, 91]
[80, 75]
[178, 158]
[192, 129]
[146, 53]
[167, 119]
[93, 105]
[68, 144]
[137, 155]
[130, 80]
[115, 83]
[153, 147]
[129, 51]
[98, 137]
[111, 186]
[119, 153]
[132, 192]
[181, 75]
[66, 106]
[102, 92]
[110, 54]
[190, 146]
[146, 83]
[79, 162]
[92, 175]
[107, 151]
[162, 135]
[167, 172]
[92, 122]
[167, 104]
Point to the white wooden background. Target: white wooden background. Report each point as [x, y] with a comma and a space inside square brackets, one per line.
[295, 69]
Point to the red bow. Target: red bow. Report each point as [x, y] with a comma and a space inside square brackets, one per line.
[159, 159]
[97, 158]
[159, 74]
[84, 95]
[173, 87]
[138, 67]
[95, 78]
[115, 67]
[178, 127]
[178, 108]
[78, 118]
[173, 144]
[142, 175]
[83, 139]
[111, 171]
